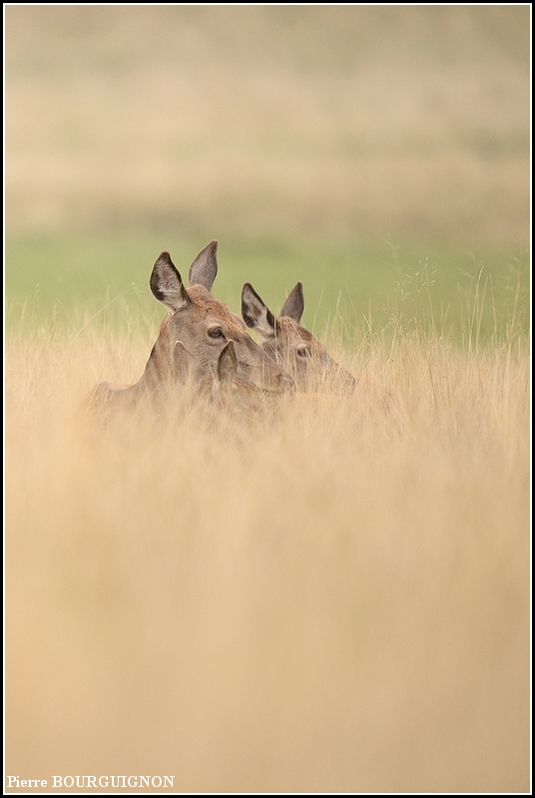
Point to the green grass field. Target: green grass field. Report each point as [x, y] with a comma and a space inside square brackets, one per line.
[366, 285]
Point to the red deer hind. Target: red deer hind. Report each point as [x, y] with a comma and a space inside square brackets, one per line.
[204, 326]
[293, 347]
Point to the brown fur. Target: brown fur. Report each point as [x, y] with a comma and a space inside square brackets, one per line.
[292, 346]
[204, 327]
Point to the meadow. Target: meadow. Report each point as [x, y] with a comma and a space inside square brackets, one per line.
[335, 596]
[336, 599]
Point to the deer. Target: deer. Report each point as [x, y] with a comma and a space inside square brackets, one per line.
[292, 346]
[204, 327]
[222, 389]
[192, 387]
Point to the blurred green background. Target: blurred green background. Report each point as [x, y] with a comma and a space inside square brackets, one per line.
[379, 154]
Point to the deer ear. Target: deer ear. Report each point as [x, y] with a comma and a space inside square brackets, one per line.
[255, 312]
[227, 365]
[295, 304]
[203, 270]
[166, 284]
[185, 365]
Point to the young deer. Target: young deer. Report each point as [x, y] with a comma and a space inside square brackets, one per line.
[293, 347]
[191, 385]
[204, 326]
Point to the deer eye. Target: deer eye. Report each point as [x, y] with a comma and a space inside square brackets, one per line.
[216, 332]
[303, 351]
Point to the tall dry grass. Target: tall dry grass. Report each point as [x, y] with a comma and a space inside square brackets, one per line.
[337, 600]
